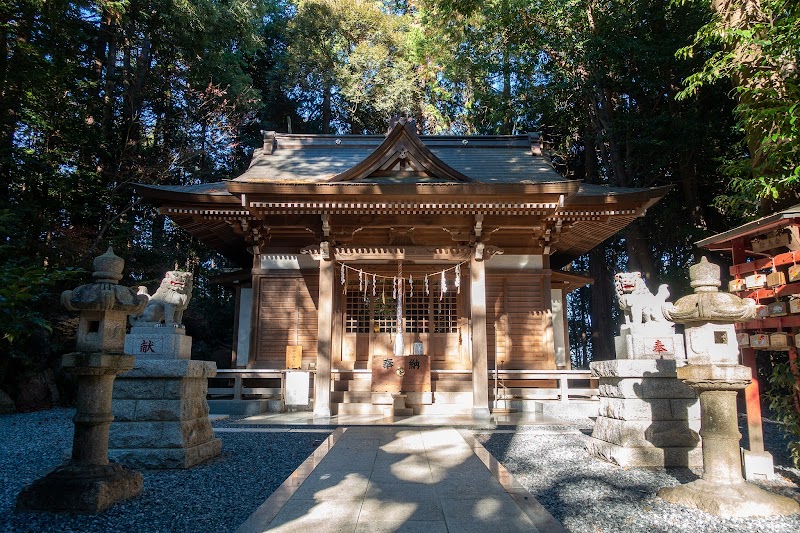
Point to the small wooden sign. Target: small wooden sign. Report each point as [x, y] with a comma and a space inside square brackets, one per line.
[779, 341]
[736, 285]
[759, 340]
[762, 311]
[794, 305]
[755, 281]
[776, 279]
[778, 309]
[743, 339]
[294, 357]
[794, 273]
[785, 237]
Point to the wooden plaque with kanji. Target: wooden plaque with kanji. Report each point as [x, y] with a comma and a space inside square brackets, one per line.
[294, 357]
[407, 373]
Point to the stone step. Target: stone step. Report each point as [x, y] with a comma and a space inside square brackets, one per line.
[347, 376]
[352, 385]
[351, 397]
[358, 409]
[452, 386]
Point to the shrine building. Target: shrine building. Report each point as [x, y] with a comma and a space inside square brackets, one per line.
[413, 264]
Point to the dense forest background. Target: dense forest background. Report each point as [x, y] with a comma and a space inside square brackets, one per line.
[96, 96]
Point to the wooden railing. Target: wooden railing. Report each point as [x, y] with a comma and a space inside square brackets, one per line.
[239, 375]
[520, 384]
[528, 389]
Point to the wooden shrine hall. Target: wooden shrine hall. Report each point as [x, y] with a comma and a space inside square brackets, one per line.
[402, 263]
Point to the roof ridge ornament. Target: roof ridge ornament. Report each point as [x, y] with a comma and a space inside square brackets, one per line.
[269, 141]
[535, 138]
[402, 120]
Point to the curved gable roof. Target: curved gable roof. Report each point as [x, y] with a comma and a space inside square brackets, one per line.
[295, 159]
[402, 156]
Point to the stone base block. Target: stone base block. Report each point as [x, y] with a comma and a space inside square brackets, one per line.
[681, 433]
[666, 345]
[650, 409]
[757, 465]
[646, 417]
[631, 368]
[168, 457]
[646, 456]
[81, 489]
[736, 500]
[162, 343]
[557, 408]
[161, 415]
[159, 434]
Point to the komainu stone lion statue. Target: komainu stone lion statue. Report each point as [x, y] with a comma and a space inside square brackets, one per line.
[168, 303]
[636, 301]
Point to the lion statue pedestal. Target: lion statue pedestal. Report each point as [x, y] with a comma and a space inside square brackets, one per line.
[160, 407]
[158, 332]
[647, 417]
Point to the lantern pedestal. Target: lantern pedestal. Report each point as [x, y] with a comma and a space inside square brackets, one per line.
[88, 483]
[722, 491]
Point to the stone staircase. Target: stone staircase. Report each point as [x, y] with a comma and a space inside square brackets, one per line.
[351, 395]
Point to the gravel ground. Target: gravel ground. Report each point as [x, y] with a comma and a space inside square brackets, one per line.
[217, 496]
[589, 495]
[585, 494]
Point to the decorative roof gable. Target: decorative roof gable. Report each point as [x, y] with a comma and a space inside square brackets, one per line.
[402, 157]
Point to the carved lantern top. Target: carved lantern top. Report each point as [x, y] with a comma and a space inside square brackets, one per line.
[707, 304]
[108, 267]
[104, 294]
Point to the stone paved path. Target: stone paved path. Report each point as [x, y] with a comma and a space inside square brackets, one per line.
[401, 479]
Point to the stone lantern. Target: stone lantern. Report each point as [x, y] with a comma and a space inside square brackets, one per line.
[88, 482]
[713, 370]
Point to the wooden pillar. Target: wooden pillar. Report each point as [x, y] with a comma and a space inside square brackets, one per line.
[565, 320]
[753, 403]
[751, 392]
[237, 302]
[322, 380]
[480, 377]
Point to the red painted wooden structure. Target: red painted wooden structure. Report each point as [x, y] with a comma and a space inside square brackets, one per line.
[767, 245]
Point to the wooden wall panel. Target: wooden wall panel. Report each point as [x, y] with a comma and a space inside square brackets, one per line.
[518, 321]
[287, 315]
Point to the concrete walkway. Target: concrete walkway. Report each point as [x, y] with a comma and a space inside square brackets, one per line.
[401, 479]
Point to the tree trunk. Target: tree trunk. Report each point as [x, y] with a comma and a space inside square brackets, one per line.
[508, 119]
[639, 258]
[107, 152]
[600, 297]
[14, 61]
[327, 114]
[600, 302]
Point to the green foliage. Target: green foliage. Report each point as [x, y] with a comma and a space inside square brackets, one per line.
[22, 288]
[349, 65]
[756, 47]
[783, 394]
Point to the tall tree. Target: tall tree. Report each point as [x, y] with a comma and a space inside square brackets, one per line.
[350, 65]
[756, 45]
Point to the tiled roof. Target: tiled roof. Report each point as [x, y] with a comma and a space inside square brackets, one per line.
[762, 224]
[315, 158]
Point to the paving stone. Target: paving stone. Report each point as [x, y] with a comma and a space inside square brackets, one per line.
[391, 488]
